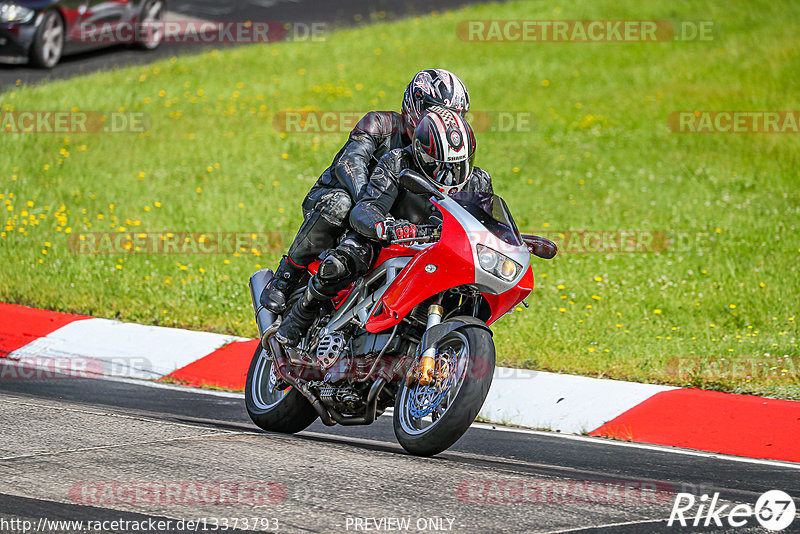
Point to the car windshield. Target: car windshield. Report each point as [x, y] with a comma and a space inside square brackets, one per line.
[492, 212]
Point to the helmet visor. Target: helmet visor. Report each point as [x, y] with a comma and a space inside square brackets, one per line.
[422, 104]
[426, 102]
[446, 175]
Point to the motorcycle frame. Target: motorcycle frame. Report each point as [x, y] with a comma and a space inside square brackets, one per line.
[410, 276]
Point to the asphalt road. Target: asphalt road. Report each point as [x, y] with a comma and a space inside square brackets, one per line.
[333, 13]
[62, 436]
[64, 440]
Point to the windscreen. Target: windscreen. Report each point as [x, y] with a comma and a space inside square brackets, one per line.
[492, 212]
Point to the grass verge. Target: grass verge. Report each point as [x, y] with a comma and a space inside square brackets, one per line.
[717, 312]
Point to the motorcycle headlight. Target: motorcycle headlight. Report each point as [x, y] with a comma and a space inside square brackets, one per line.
[488, 258]
[15, 13]
[497, 264]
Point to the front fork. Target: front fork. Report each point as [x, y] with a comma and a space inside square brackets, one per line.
[427, 363]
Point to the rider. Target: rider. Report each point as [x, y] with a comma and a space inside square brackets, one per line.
[442, 148]
[328, 204]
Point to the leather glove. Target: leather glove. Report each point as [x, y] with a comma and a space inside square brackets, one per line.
[391, 229]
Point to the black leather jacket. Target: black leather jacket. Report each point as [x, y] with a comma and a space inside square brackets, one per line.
[376, 133]
[384, 196]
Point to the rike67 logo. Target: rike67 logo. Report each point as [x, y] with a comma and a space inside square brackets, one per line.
[774, 510]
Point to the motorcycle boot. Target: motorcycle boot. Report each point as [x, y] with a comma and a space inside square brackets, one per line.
[277, 291]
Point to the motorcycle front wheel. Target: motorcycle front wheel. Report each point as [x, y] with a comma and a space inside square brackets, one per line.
[429, 419]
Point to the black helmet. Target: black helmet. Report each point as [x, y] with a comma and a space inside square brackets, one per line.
[433, 87]
[443, 148]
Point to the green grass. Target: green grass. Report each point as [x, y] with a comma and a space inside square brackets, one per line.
[722, 314]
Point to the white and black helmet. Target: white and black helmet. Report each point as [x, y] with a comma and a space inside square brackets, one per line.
[444, 148]
[433, 87]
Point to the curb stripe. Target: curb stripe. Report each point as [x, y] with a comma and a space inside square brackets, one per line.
[558, 402]
[21, 325]
[225, 367]
[125, 349]
[741, 425]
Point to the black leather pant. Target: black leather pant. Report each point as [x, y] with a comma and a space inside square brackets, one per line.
[326, 211]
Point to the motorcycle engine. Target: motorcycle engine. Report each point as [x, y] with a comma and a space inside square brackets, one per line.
[345, 399]
[330, 348]
[334, 356]
[337, 390]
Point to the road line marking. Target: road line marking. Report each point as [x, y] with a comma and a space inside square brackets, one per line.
[593, 527]
[174, 387]
[104, 414]
[500, 428]
[647, 446]
[136, 444]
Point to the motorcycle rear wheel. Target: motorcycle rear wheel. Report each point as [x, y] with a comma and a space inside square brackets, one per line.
[429, 419]
[273, 409]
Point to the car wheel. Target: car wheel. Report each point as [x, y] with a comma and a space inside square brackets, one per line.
[48, 42]
[151, 18]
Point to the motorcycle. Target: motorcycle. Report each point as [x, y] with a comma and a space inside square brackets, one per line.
[413, 333]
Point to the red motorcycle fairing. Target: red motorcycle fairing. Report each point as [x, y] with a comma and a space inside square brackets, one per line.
[501, 304]
[453, 253]
[454, 266]
[386, 253]
[393, 251]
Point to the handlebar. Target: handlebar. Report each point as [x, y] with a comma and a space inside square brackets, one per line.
[538, 246]
[429, 234]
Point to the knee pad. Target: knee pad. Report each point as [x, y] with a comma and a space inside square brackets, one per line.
[360, 252]
[334, 206]
[334, 274]
[335, 267]
[322, 227]
[341, 266]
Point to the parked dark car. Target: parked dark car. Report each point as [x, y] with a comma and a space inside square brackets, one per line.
[42, 31]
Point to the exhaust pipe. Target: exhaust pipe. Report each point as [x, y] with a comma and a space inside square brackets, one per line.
[264, 318]
[280, 365]
[267, 325]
